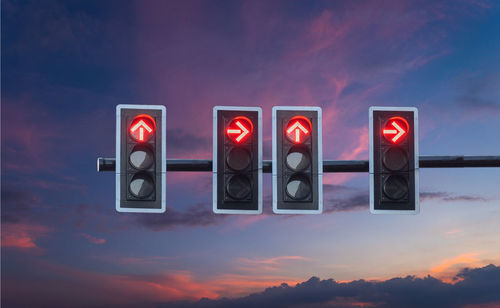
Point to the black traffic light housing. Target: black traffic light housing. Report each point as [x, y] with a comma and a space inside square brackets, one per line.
[297, 160]
[237, 160]
[140, 158]
[394, 182]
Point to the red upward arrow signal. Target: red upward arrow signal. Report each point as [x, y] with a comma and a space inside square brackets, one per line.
[298, 128]
[141, 126]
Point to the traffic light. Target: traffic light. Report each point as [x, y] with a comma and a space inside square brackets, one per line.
[394, 160]
[237, 160]
[140, 158]
[297, 160]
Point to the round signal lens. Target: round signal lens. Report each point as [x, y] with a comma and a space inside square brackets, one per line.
[141, 185]
[141, 157]
[238, 187]
[298, 129]
[395, 130]
[395, 158]
[298, 187]
[298, 159]
[142, 128]
[238, 159]
[395, 187]
[239, 129]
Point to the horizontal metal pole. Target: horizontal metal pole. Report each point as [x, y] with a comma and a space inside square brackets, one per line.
[205, 165]
[189, 165]
[458, 161]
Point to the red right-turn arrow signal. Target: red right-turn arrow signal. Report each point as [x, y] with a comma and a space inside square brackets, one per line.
[395, 128]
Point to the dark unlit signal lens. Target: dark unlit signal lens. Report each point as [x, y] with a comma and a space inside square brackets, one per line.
[298, 159]
[395, 187]
[141, 185]
[395, 158]
[141, 157]
[239, 187]
[298, 187]
[238, 159]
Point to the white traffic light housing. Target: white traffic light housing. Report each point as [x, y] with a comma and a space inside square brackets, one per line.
[140, 158]
[237, 160]
[394, 159]
[297, 160]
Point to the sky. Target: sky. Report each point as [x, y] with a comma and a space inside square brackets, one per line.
[67, 64]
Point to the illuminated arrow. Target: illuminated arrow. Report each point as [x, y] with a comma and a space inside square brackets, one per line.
[141, 125]
[243, 131]
[398, 132]
[297, 127]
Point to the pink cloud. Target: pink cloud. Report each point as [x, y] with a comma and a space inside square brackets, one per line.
[243, 221]
[64, 285]
[448, 268]
[359, 148]
[23, 236]
[319, 64]
[144, 260]
[321, 33]
[234, 285]
[73, 285]
[68, 285]
[93, 239]
[454, 233]
[262, 265]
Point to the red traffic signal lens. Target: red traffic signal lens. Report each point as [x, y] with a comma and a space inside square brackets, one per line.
[298, 129]
[142, 128]
[395, 130]
[240, 129]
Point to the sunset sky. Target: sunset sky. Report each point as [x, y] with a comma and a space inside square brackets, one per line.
[67, 64]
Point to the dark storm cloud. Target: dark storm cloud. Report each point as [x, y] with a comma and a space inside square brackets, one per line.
[464, 198]
[21, 205]
[361, 201]
[196, 215]
[444, 196]
[357, 202]
[476, 286]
